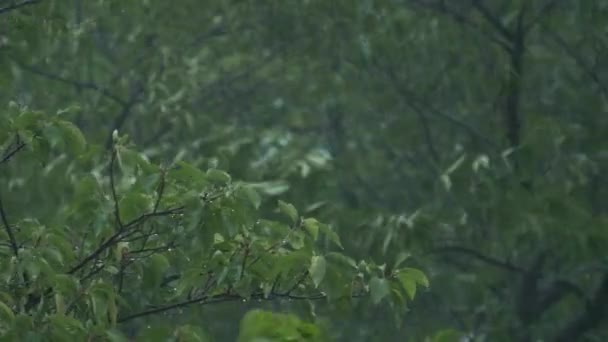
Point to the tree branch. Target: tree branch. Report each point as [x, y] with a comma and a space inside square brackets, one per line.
[118, 235]
[15, 6]
[505, 265]
[127, 107]
[219, 298]
[513, 119]
[9, 231]
[10, 153]
[113, 189]
[75, 83]
[493, 20]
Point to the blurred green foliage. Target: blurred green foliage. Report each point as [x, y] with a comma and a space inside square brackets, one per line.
[168, 166]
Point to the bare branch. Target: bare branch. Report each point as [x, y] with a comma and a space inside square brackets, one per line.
[9, 231]
[113, 189]
[505, 265]
[160, 191]
[413, 99]
[75, 83]
[493, 19]
[297, 283]
[18, 145]
[15, 6]
[125, 112]
[116, 237]
[219, 298]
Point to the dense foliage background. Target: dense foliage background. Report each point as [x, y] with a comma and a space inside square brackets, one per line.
[223, 169]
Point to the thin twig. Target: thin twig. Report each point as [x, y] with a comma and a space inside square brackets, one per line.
[224, 297]
[118, 235]
[244, 262]
[297, 283]
[76, 83]
[161, 189]
[481, 257]
[493, 20]
[8, 155]
[15, 6]
[9, 230]
[113, 189]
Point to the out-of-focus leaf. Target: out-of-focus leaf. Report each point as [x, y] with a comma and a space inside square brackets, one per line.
[312, 227]
[133, 205]
[448, 336]
[378, 288]
[289, 210]
[6, 314]
[317, 269]
[416, 275]
[73, 137]
[330, 234]
[219, 176]
[271, 188]
[186, 174]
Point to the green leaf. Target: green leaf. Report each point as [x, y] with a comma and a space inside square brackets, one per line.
[296, 239]
[59, 304]
[379, 288]
[263, 326]
[341, 260]
[130, 160]
[274, 188]
[317, 269]
[330, 234]
[447, 336]
[189, 333]
[401, 257]
[116, 336]
[187, 175]
[253, 196]
[133, 205]
[66, 326]
[312, 227]
[289, 210]
[408, 284]
[218, 176]
[157, 266]
[73, 137]
[28, 120]
[416, 275]
[156, 333]
[6, 314]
